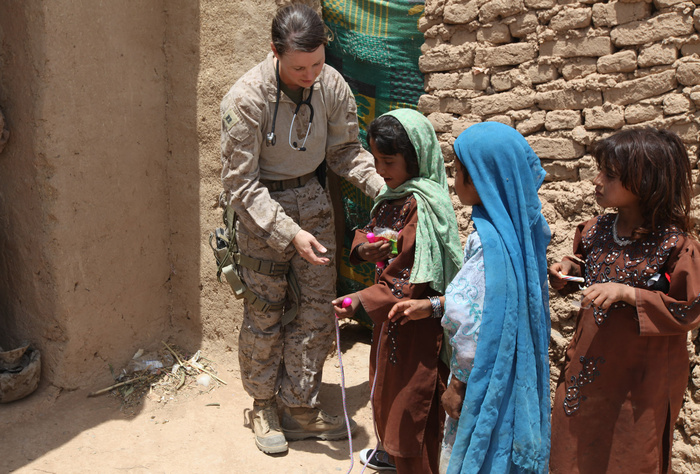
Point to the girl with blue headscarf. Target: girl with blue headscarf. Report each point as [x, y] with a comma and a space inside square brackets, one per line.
[497, 311]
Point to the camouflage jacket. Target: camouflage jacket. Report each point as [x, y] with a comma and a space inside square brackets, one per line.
[246, 117]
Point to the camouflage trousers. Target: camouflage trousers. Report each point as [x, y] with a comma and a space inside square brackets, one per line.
[288, 360]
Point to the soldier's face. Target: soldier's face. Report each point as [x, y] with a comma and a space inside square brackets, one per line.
[299, 69]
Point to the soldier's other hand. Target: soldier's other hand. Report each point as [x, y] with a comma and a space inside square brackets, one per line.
[305, 243]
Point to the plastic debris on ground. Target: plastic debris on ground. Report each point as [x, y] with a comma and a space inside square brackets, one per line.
[161, 375]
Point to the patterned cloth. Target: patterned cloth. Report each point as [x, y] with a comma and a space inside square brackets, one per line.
[376, 46]
[288, 360]
[626, 369]
[464, 303]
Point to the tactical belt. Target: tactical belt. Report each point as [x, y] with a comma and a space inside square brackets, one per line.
[284, 184]
[228, 258]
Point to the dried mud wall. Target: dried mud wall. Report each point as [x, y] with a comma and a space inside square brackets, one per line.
[83, 184]
[110, 177]
[564, 74]
[234, 37]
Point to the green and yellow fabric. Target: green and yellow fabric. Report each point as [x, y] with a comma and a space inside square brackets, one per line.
[375, 46]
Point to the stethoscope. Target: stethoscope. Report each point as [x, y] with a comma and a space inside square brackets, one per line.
[270, 138]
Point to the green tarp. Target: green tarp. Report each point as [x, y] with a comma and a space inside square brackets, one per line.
[375, 46]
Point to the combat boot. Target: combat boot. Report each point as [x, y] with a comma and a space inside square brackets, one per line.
[304, 422]
[268, 437]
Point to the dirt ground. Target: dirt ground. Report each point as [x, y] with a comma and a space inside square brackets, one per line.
[195, 431]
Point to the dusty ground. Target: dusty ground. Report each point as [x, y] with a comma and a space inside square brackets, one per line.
[50, 432]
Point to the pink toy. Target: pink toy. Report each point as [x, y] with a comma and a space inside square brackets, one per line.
[347, 302]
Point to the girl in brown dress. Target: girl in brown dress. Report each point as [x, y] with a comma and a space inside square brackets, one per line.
[626, 367]
[405, 367]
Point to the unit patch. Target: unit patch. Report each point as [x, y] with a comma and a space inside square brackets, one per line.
[230, 118]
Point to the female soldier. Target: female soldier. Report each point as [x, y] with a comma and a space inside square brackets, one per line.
[282, 122]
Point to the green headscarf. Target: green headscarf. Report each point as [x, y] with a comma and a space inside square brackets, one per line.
[438, 249]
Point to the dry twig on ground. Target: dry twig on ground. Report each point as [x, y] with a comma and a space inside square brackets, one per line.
[159, 377]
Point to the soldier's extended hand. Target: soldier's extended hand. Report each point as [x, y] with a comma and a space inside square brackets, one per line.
[305, 243]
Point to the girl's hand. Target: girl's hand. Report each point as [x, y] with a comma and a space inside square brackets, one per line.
[603, 295]
[411, 310]
[346, 311]
[453, 398]
[564, 267]
[305, 243]
[375, 252]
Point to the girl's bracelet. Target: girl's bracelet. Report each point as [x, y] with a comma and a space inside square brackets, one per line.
[437, 306]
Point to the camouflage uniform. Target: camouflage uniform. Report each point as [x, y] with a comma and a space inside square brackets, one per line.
[274, 358]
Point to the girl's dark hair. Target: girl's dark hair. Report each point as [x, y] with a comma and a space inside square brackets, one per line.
[391, 138]
[466, 177]
[654, 165]
[297, 27]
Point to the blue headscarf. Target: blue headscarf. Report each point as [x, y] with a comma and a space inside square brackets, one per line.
[505, 421]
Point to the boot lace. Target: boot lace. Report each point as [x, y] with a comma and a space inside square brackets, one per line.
[270, 421]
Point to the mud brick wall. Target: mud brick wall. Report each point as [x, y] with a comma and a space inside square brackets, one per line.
[565, 74]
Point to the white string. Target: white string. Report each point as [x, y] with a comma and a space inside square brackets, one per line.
[371, 395]
[342, 390]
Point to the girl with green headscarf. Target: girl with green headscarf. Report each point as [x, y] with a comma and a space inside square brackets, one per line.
[405, 367]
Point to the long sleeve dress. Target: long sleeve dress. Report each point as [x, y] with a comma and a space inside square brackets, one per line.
[464, 304]
[410, 376]
[626, 369]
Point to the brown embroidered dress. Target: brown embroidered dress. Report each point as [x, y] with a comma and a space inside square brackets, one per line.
[410, 376]
[626, 369]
